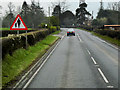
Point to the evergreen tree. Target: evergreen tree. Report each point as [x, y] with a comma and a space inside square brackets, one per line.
[81, 12]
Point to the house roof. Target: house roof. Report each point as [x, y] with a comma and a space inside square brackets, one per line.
[111, 25]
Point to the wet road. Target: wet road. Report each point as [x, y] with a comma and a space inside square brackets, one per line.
[81, 61]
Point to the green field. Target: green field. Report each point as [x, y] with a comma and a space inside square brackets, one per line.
[12, 66]
[9, 28]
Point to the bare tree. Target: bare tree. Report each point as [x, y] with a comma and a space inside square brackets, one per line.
[9, 17]
[63, 5]
[119, 6]
[11, 7]
[0, 8]
[19, 9]
[113, 6]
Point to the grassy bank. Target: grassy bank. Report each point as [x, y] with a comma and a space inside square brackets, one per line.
[21, 59]
[57, 32]
[9, 28]
[106, 38]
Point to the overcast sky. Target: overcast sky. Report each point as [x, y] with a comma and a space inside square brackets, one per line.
[93, 5]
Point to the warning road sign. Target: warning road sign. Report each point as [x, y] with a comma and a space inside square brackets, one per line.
[18, 24]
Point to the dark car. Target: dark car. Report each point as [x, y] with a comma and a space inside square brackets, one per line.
[70, 32]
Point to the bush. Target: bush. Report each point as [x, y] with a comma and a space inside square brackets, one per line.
[43, 25]
[53, 29]
[10, 44]
[89, 28]
[6, 32]
[58, 27]
[110, 33]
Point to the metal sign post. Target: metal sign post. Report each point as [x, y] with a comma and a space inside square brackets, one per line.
[18, 32]
[18, 24]
[26, 39]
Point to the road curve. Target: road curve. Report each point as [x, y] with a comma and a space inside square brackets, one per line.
[81, 61]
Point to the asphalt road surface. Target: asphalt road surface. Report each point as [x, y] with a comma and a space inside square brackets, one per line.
[81, 61]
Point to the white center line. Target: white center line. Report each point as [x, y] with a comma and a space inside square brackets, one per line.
[88, 51]
[110, 86]
[105, 79]
[93, 60]
[79, 38]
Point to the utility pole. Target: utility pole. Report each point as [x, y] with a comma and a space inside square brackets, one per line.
[59, 12]
[92, 20]
[49, 14]
[92, 15]
[49, 19]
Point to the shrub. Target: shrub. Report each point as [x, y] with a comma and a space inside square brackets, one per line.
[53, 29]
[110, 33]
[58, 27]
[10, 44]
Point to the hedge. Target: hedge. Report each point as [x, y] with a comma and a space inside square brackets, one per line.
[110, 33]
[89, 28]
[6, 32]
[10, 44]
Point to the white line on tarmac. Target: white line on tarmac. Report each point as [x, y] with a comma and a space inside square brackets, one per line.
[29, 71]
[107, 43]
[26, 85]
[88, 52]
[93, 60]
[79, 38]
[110, 86]
[105, 79]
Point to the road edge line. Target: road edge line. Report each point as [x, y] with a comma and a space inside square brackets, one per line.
[29, 81]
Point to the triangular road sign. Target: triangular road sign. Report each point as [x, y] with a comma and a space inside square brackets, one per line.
[18, 24]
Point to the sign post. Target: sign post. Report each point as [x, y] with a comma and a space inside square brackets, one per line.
[18, 24]
[26, 39]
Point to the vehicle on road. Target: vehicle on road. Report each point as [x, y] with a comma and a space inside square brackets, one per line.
[70, 32]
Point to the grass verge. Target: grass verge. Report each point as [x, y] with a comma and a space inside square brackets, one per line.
[9, 28]
[12, 66]
[106, 38]
[57, 32]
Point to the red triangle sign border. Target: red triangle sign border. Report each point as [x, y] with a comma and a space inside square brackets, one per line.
[11, 28]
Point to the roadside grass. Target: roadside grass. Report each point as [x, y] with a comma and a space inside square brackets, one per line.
[57, 32]
[12, 66]
[4, 28]
[106, 38]
[9, 28]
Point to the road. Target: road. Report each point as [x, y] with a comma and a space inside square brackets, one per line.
[81, 61]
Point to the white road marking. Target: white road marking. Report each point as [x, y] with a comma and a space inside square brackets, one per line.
[29, 71]
[41, 66]
[88, 52]
[93, 60]
[79, 38]
[105, 79]
[110, 86]
[106, 43]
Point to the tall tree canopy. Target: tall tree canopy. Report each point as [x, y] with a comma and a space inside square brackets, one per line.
[81, 12]
[32, 14]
